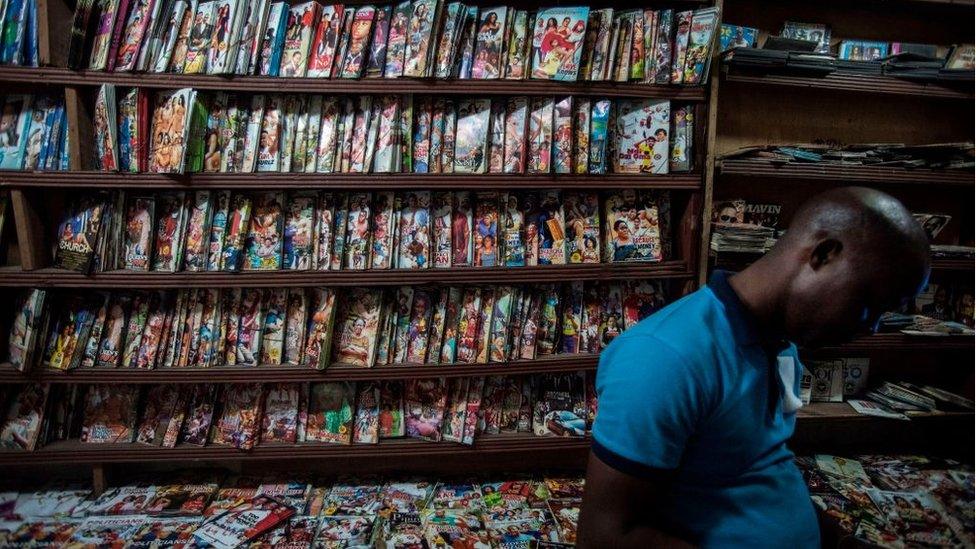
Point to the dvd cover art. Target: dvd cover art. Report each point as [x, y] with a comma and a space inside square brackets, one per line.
[623, 41]
[700, 40]
[424, 402]
[488, 51]
[222, 45]
[330, 412]
[198, 232]
[401, 308]
[517, 48]
[562, 136]
[357, 232]
[325, 212]
[663, 46]
[170, 130]
[22, 420]
[137, 242]
[366, 429]
[14, 128]
[450, 34]
[323, 49]
[496, 154]
[263, 244]
[483, 337]
[67, 333]
[418, 328]
[297, 39]
[436, 154]
[274, 303]
[420, 37]
[462, 223]
[199, 39]
[280, 421]
[682, 135]
[581, 136]
[137, 24]
[582, 210]
[642, 137]
[414, 231]
[199, 416]
[107, 13]
[442, 212]
[599, 123]
[383, 254]
[572, 319]
[500, 318]
[26, 330]
[485, 235]
[632, 230]
[548, 321]
[249, 338]
[468, 325]
[421, 134]
[240, 421]
[130, 140]
[516, 118]
[452, 314]
[104, 122]
[243, 522]
[806, 31]
[612, 318]
[339, 232]
[377, 48]
[218, 230]
[298, 231]
[160, 404]
[170, 221]
[641, 299]
[269, 144]
[358, 324]
[396, 46]
[357, 48]
[78, 233]
[471, 137]
[469, 36]
[557, 42]
[213, 136]
[391, 409]
[540, 135]
[456, 409]
[681, 35]
[110, 413]
[552, 229]
[514, 230]
[385, 158]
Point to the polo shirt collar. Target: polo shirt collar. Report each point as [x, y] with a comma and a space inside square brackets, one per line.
[745, 328]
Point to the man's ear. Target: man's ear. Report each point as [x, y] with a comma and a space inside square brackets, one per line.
[826, 251]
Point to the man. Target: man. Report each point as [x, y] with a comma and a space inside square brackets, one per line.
[698, 401]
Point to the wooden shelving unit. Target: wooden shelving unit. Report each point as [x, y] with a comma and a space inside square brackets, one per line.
[299, 374]
[869, 175]
[379, 181]
[51, 76]
[853, 82]
[57, 278]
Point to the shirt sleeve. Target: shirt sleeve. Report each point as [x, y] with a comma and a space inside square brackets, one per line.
[650, 402]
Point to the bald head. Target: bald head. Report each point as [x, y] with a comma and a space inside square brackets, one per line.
[849, 255]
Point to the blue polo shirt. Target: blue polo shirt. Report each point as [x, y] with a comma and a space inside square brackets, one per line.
[695, 394]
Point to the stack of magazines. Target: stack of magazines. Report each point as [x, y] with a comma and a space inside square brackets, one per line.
[739, 226]
[418, 38]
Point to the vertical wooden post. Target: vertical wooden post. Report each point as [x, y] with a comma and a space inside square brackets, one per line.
[54, 20]
[709, 167]
[80, 131]
[98, 479]
[30, 231]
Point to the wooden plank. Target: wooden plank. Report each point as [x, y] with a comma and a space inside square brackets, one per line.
[81, 146]
[709, 169]
[54, 20]
[759, 170]
[30, 231]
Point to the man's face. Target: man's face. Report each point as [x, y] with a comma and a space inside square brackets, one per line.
[841, 299]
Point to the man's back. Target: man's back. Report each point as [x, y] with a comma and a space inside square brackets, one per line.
[696, 397]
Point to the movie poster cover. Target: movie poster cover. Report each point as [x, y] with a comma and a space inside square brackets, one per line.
[199, 416]
[401, 309]
[456, 409]
[391, 409]
[486, 253]
[325, 212]
[354, 61]
[240, 420]
[632, 230]
[449, 339]
[170, 130]
[22, 420]
[483, 338]
[274, 303]
[488, 50]
[358, 323]
[468, 326]
[469, 35]
[170, 220]
[396, 44]
[414, 231]
[104, 123]
[110, 414]
[546, 334]
[134, 32]
[425, 401]
[420, 37]
[78, 233]
[808, 31]
[496, 154]
[298, 231]
[642, 137]
[450, 36]
[299, 29]
[194, 60]
[159, 308]
[557, 42]
[681, 35]
[14, 125]
[582, 210]
[137, 242]
[551, 224]
[159, 405]
[599, 121]
[540, 135]
[442, 212]
[500, 318]
[383, 230]
[387, 140]
[339, 232]
[700, 41]
[436, 154]
[418, 329]
[471, 139]
[366, 427]
[357, 234]
[323, 49]
[280, 421]
[581, 135]
[198, 232]
[516, 118]
[249, 338]
[513, 230]
[330, 412]
[562, 136]
[517, 50]
[269, 145]
[243, 522]
[462, 223]
[263, 244]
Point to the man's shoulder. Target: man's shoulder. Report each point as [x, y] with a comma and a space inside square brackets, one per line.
[692, 320]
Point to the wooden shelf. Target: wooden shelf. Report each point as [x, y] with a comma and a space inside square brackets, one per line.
[736, 261]
[842, 411]
[296, 374]
[902, 342]
[757, 168]
[953, 265]
[374, 181]
[853, 82]
[75, 452]
[59, 278]
[51, 76]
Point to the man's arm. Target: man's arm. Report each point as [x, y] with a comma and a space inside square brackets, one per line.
[618, 509]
